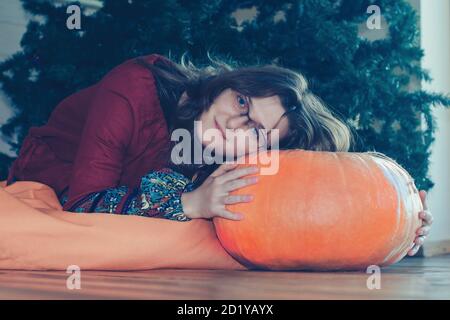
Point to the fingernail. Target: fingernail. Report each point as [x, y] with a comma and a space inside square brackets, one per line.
[254, 179]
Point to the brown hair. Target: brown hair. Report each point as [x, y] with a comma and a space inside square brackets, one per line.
[312, 126]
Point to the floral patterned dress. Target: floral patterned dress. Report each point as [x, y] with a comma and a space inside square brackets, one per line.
[159, 195]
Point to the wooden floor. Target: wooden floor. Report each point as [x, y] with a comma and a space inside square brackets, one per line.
[412, 278]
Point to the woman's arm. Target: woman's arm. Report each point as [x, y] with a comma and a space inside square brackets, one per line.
[159, 196]
[123, 109]
[106, 135]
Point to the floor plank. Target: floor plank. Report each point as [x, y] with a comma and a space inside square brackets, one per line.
[412, 278]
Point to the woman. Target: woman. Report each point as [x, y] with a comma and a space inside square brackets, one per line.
[107, 148]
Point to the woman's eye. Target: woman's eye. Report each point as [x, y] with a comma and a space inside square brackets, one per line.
[242, 102]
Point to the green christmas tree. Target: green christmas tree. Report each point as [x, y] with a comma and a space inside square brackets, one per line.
[366, 82]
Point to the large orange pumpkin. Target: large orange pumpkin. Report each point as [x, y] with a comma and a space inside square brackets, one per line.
[324, 211]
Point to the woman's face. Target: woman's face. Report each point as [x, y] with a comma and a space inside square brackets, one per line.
[235, 119]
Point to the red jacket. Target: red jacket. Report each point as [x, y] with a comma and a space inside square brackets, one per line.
[107, 135]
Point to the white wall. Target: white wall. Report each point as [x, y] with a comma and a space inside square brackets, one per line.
[435, 40]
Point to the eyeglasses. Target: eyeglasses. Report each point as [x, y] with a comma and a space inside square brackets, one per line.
[261, 127]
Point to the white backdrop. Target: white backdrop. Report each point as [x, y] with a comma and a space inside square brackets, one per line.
[435, 40]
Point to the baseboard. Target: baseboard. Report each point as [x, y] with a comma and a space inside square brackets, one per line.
[435, 248]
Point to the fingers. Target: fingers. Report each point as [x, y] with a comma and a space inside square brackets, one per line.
[413, 250]
[423, 197]
[240, 183]
[427, 220]
[237, 173]
[230, 215]
[238, 198]
[423, 231]
[227, 178]
[418, 242]
[232, 199]
[426, 216]
[224, 168]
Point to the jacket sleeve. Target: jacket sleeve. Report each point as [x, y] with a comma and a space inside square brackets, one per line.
[158, 196]
[106, 134]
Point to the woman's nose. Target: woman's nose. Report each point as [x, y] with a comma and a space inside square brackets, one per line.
[237, 122]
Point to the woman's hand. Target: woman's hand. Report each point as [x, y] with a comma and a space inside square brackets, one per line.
[209, 200]
[424, 230]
